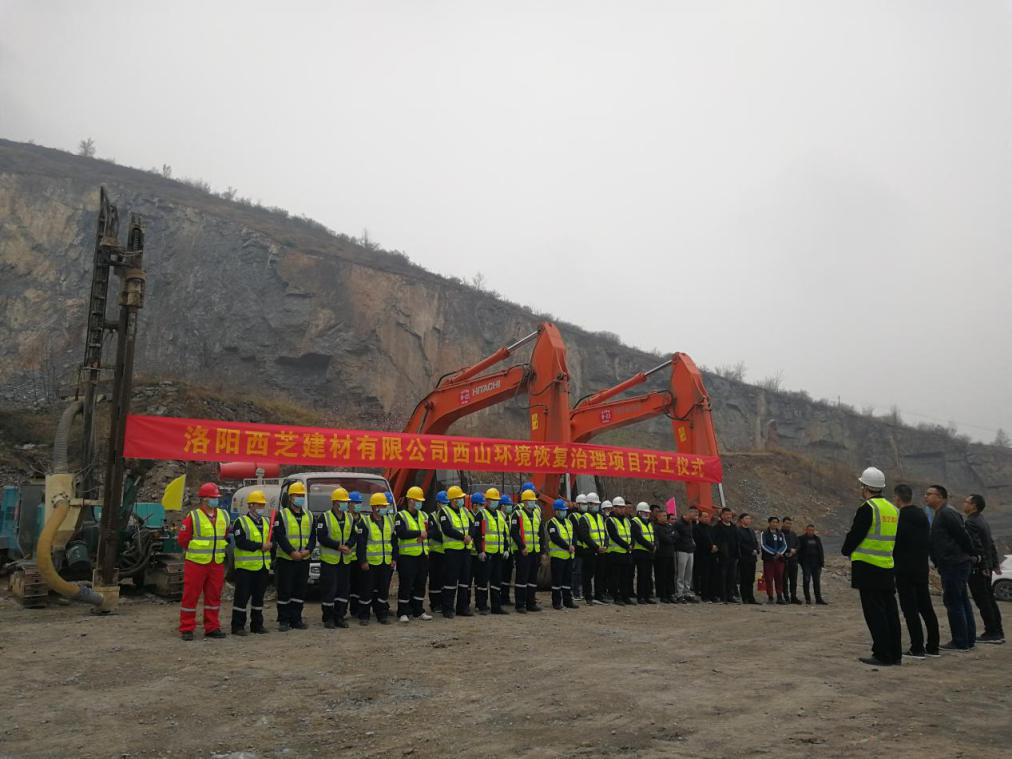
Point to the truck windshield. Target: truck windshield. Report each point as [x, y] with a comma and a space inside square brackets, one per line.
[320, 489]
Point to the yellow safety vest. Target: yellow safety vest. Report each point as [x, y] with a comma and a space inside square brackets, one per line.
[496, 531]
[877, 547]
[209, 538]
[566, 533]
[624, 531]
[435, 535]
[531, 528]
[460, 523]
[379, 548]
[297, 529]
[413, 546]
[254, 561]
[340, 532]
[595, 526]
[647, 528]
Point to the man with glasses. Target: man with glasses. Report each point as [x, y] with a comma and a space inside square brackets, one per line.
[951, 551]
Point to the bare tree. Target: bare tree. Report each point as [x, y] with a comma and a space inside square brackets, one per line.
[86, 148]
[732, 371]
[894, 416]
[1001, 438]
[774, 382]
[478, 281]
[229, 193]
[166, 171]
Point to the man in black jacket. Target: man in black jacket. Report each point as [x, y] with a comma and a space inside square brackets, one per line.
[725, 538]
[790, 560]
[812, 559]
[951, 551]
[911, 557]
[987, 562]
[685, 553]
[664, 557]
[704, 563]
[748, 553]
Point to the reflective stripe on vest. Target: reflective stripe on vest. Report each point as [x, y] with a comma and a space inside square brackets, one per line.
[877, 547]
[435, 535]
[339, 532]
[459, 522]
[647, 530]
[413, 546]
[595, 526]
[624, 531]
[531, 529]
[297, 529]
[566, 533]
[252, 560]
[471, 519]
[209, 538]
[379, 548]
[496, 532]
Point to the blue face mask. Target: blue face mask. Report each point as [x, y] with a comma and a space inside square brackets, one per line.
[212, 502]
[508, 508]
[342, 506]
[595, 507]
[361, 508]
[299, 501]
[492, 504]
[561, 514]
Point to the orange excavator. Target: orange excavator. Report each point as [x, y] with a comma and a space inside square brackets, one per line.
[545, 380]
[686, 403]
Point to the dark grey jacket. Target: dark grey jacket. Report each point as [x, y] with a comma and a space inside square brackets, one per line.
[980, 535]
[950, 544]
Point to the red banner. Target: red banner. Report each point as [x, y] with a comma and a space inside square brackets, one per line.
[174, 439]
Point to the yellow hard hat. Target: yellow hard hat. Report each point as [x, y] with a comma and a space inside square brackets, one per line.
[257, 496]
[378, 499]
[492, 495]
[454, 492]
[528, 495]
[340, 494]
[297, 488]
[416, 493]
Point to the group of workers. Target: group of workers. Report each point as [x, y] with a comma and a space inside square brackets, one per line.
[890, 545]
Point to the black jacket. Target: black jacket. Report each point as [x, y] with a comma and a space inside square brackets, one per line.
[725, 537]
[792, 544]
[664, 534]
[684, 542]
[910, 553]
[639, 538]
[810, 553]
[241, 539]
[950, 545]
[865, 576]
[280, 538]
[702, 535]
[983, 544]
[617, 539]
[748, 545]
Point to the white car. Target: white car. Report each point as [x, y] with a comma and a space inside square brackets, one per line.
[1002, 583]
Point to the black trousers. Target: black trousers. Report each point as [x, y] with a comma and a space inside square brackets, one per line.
[644, 564]
[493, 570]
[292, 580]
[883, 619]
[506, 583]
[915, 601]
[412, 572]
[334, 580]
[374, 591]
[664, 575]
[562, 582]
[600, 576]
[354, 583]
[983, 595]
[527, 580]
[435, 581]
[480, 572]
[746, 578]
[249, 589]
[453, 565]
[464, 583]
[727, 577]
[791, 579]
[698, 574]
[589, 564]
[620, 576]
[705, 577]
[811, 578]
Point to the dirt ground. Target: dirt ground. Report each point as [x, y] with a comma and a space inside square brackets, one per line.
[705, 680]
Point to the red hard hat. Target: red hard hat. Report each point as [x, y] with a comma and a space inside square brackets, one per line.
[208, 490]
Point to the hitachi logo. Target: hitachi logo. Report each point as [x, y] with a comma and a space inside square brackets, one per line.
[467, 395]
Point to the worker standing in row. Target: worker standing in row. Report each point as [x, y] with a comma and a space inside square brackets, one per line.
[526, 533]
[203, 536]
[295, 540]
[561, 552]
[455, 527]
[436, 553]
[509, 552]
[337, 538]
[251, 538]
[492, 541]
[359, 513]
[412, 530]
[575, 517]
[620, 553]
[376, 557]
[641, 530]
[588, 545]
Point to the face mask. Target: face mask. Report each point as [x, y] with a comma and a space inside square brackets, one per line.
[212, 502]
[492, 505]
[417, 504]
[361, 508]
[342, 506]
[561, 514]
[529, 505]
[458, 503]
[256, 510]
[508, 508]
[299, 501]
[595, 507]
[582, 507]
[384, 510]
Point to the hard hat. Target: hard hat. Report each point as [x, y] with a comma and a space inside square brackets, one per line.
[297, 488]
[528, 486]
[643, 506]
[581, 498]
[208, 490]
[560, 504]
[593, 498]
[529, 495]
[339, 494]
[619, 501]
[442, 497]
[454, 492]
[477, 499]
[605, 505]
[355, 497]
[873, 478]
[257, 496]
[378, 499]
[505, 501]
[492, 494]
[416, 493]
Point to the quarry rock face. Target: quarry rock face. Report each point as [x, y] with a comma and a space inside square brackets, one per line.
[242, 297]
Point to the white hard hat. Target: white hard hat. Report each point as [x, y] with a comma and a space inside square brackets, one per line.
[581, 498]
[642, 506]
[619, 501]
[592, 498]
[873, 478]
[605, 505]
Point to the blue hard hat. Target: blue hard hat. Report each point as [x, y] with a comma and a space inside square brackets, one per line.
[442, 497]
[505, 500]
[478, 499]
[560, 505]
[528, 486]
[355, 497]
[390, 497]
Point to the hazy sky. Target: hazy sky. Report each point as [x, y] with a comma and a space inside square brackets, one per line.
[818, 188]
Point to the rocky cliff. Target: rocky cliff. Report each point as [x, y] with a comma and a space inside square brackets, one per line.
[240, 296]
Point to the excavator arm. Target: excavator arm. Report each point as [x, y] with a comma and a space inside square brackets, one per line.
[686, 403]
[545, 380]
